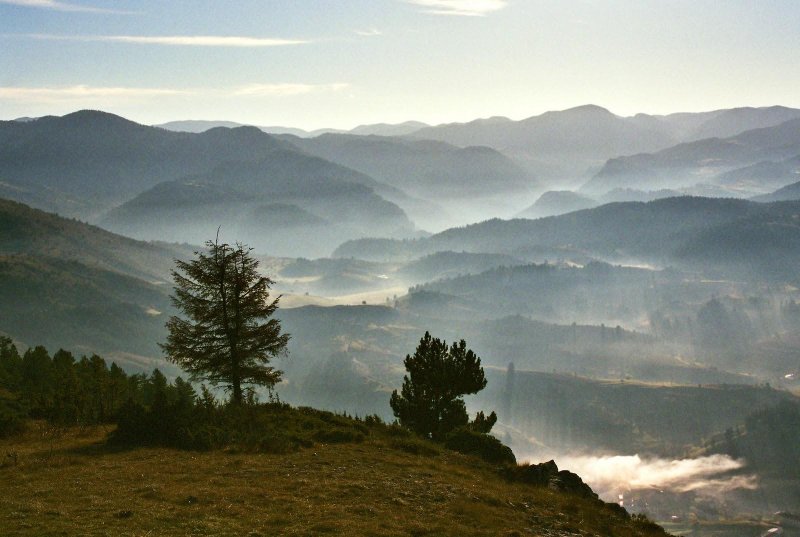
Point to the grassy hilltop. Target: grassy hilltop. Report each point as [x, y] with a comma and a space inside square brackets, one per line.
[367, 479]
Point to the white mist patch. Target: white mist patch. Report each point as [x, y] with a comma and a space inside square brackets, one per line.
[615, 474]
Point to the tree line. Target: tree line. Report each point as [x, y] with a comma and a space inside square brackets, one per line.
[66, 390]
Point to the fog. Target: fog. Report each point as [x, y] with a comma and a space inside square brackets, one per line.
[611, 475]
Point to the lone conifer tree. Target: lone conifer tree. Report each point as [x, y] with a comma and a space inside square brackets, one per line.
[230, 336]
[430, 402]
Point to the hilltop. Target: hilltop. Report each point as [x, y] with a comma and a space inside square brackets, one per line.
[378, 485]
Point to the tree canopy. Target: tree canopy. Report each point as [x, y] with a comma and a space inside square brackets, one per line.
[430, 401]
[229, 335]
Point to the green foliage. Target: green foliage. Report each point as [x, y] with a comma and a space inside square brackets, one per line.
[430, 402]
[10, 364]
[482, 423]
[481, 445]
[12, 416]
[202, 424]
[230, 336]
[67, 391]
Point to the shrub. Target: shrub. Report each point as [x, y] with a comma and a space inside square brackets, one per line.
[12, 418]
[481, 445]
[415, 446]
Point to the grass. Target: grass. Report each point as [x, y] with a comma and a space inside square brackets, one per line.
[66, 482]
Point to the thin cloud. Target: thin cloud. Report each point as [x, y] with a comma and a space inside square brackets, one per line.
[369, 33]
[61, 6]
[462, 8]
[282, 90]
[82, 92]
[180, 40]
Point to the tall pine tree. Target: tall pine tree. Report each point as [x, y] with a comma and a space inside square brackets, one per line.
[229, 335]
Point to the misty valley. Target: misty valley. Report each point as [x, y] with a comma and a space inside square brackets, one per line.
[630, 285]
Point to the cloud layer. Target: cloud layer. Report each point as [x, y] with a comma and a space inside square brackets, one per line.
[80, 93]
[464, 8]
[59, 6]
[179, 40]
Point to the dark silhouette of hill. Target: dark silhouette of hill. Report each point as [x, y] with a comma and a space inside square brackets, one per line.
[697, 162]
[59, 162]
[108, 159]
[653, 231]
[88, 162]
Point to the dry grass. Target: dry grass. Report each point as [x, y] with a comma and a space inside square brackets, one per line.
[71, 483]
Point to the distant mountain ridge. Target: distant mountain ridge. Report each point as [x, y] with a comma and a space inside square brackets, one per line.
[87, 163]
[665, 231]
[467, 183]
[380, 129]
[589, 135]
[708, 160]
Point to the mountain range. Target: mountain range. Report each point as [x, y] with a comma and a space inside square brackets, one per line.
[665, 231]
[762, 159]
[567, 144]
[379, 129]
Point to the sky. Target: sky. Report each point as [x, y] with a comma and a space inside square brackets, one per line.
[340, 63]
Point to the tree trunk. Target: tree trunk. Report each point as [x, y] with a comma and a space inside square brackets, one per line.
[237, 392]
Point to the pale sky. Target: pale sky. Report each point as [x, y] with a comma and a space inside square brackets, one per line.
[340, 63]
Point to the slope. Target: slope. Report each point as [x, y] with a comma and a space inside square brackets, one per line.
[383, 485]
[697, 162]
[245, 197]
[621, 230]
[468, 184]
[64, 283]
[87, 162]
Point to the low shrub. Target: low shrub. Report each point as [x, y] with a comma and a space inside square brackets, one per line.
[481, 445]
[12, 418]
[415, 446]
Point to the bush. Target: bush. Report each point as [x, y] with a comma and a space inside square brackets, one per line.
[481, 445]
[415, 446]
[12, 418]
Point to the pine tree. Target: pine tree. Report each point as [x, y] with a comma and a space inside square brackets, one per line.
[230, 335]
[430, 401]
